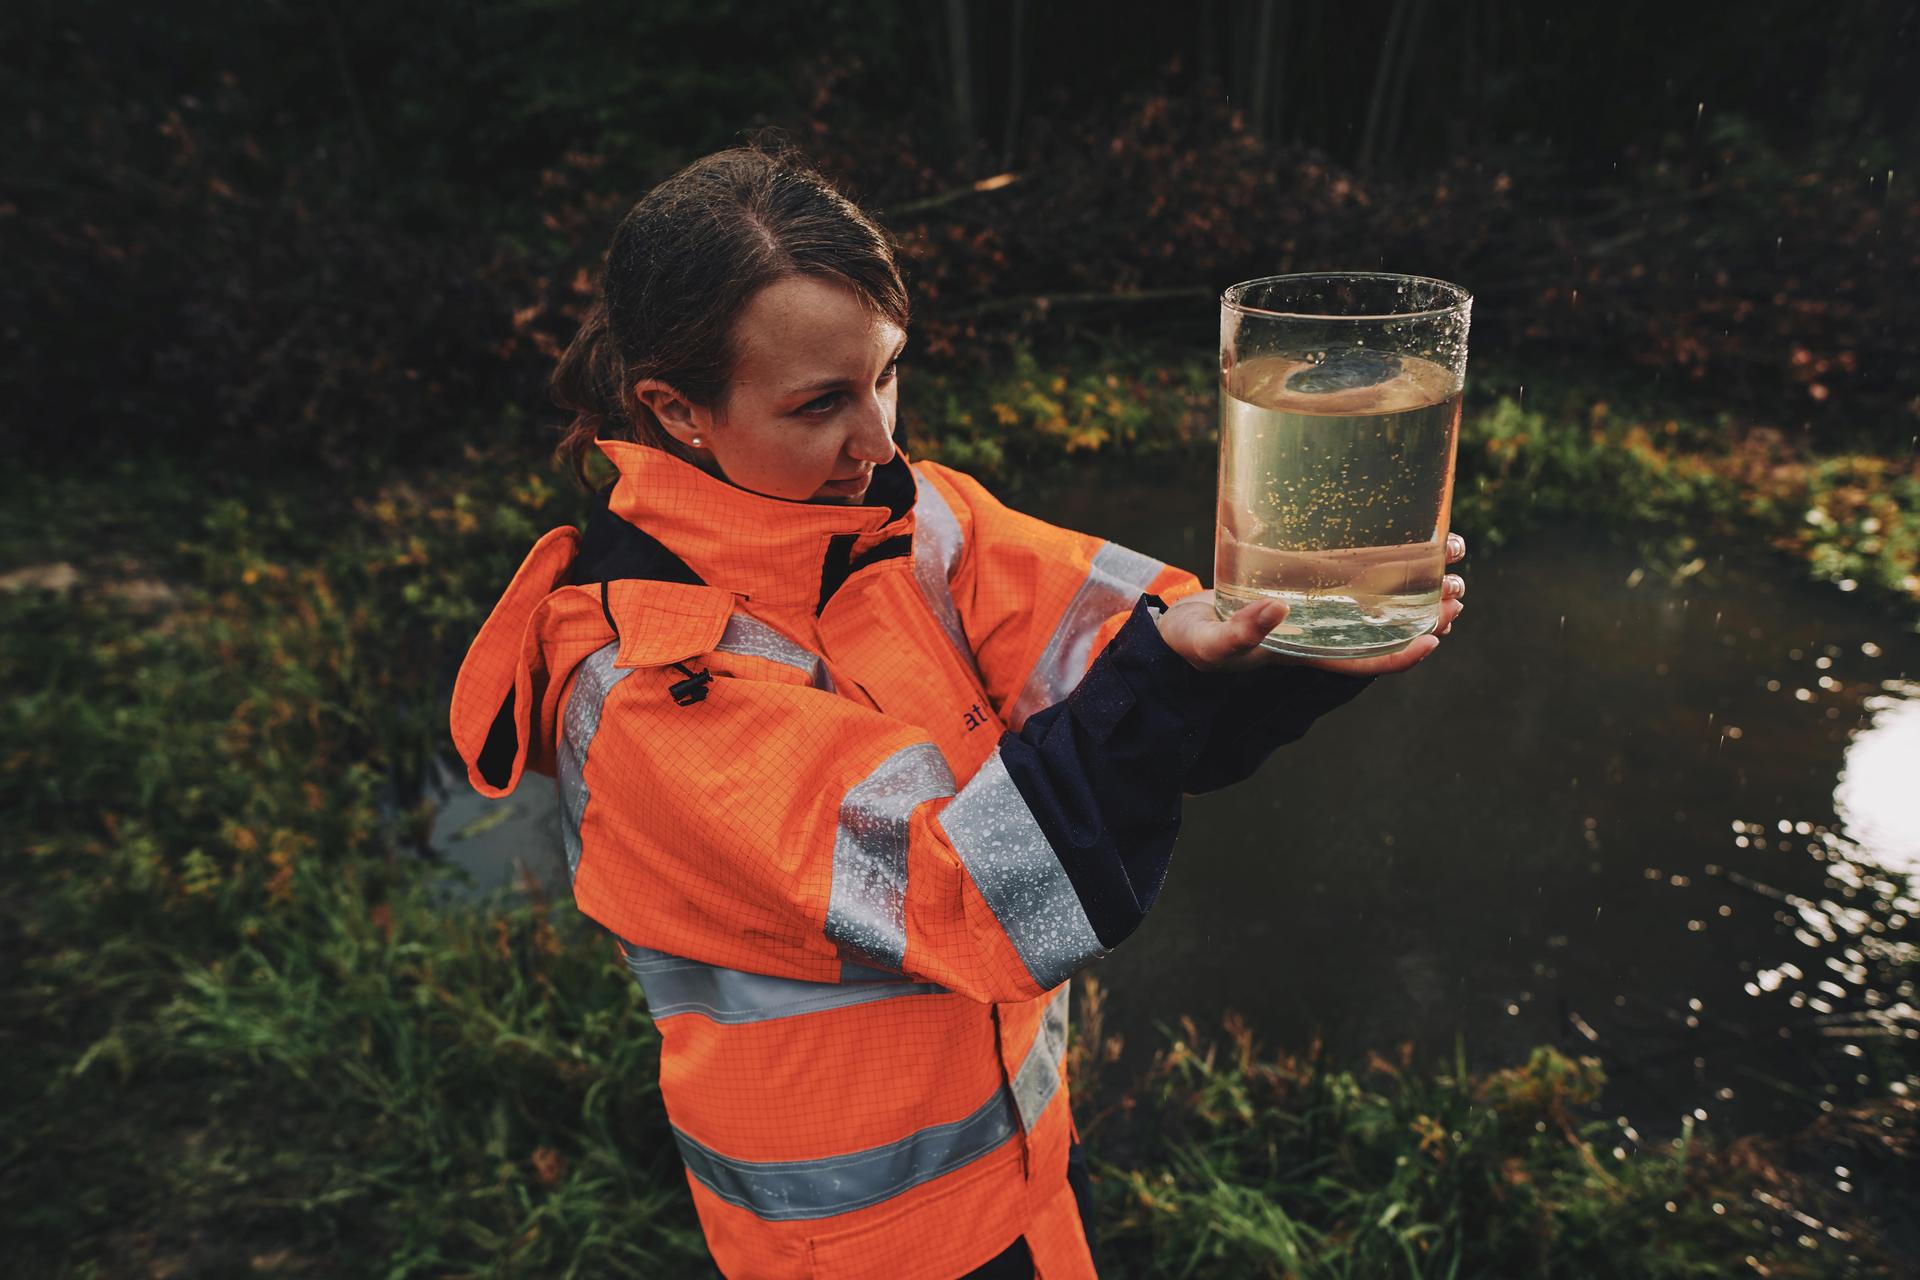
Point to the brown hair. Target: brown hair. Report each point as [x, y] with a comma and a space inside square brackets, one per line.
[684, 263]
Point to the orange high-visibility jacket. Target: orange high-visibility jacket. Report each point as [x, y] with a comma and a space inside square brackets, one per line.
[783, 735]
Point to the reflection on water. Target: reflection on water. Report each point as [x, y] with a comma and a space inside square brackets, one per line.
[1878, 798]
[1669, 825]
[498, 844]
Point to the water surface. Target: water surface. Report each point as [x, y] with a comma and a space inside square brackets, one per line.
[1636, 817]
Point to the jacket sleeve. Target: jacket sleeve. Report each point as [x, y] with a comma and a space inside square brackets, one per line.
[1103, 770]
[1036, 602]
[1041, 607]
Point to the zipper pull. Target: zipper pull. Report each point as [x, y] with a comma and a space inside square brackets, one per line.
[691, 690]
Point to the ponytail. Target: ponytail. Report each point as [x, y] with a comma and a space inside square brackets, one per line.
[590, 382]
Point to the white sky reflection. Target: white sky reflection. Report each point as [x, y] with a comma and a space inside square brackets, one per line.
[1878, 796]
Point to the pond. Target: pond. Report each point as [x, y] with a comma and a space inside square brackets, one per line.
[1644, 819]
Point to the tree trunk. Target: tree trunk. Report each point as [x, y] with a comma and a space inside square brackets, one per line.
[1403, 72]
[1491, 61]
[1209, 40]
[1262, 68]
[1377, 100]
[1271, 27]
[1016, 84]
[367, 159]
[1282, 42]
[1314, 124]
[960, 63]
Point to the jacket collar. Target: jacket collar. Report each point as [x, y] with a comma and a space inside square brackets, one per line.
[773, 551]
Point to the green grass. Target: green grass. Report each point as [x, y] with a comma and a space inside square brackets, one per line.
[1226, 1160]
[244, 1032]
[1851, 519]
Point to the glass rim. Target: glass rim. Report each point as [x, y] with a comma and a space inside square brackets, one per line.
[1229, 297]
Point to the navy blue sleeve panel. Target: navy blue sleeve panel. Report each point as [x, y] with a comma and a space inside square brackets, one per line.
[1260, 711]
[1103, 770]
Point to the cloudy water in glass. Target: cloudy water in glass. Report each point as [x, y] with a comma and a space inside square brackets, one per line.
[1339, 411]
[1336, 480]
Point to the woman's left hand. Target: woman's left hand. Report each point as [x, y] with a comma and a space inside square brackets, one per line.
[1192, 629]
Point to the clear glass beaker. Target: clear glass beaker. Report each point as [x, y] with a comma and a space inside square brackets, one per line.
[1339, 415]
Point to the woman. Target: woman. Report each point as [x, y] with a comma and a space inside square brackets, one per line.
[858, 765]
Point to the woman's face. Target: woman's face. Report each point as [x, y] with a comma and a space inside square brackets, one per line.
[814, 398]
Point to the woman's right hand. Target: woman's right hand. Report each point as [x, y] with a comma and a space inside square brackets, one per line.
[1193, 630]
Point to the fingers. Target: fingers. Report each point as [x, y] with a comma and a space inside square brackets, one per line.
[1208, 642]
[1419, 649]
[1385, 665]
[1449, 611]
[1456, 548]
[1453, 587]
[1243, 632]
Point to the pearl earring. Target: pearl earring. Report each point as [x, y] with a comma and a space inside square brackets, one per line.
[696, 442]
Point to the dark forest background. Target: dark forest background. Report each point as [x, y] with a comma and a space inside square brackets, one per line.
[349, 234]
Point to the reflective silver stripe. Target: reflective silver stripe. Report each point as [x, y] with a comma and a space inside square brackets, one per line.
[746, 634]
[581, 721]
[867, 908]
[1018, 874]
[786, 1190]
[676, 985]
[1039, 1076]
[937, 544]
[1114, 582]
